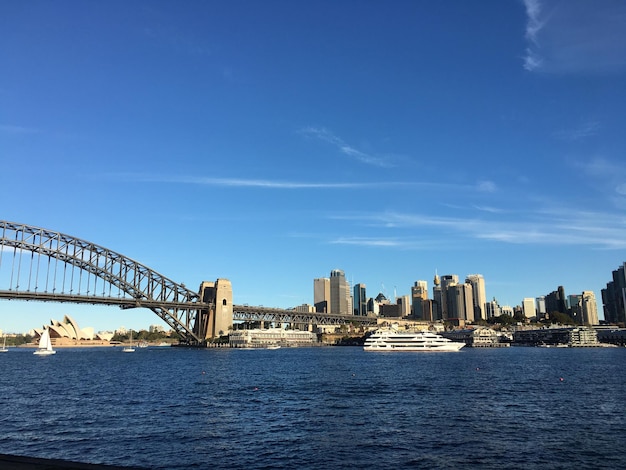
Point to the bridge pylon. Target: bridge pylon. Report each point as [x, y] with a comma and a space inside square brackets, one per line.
[218, 319]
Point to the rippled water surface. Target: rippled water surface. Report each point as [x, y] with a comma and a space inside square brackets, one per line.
[318, 408]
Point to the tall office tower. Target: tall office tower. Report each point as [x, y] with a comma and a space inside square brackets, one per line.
[360, 300]
[589, 308]
[447, 281]
[493, 309]
[321, 294]
[340, 298]
[528, 307]
[419, 293]
[405, 305]
[541, 306]
[614, 297]
[575, 305]
[460, 303]
[437, 299]
[555, 301]
[480, 299]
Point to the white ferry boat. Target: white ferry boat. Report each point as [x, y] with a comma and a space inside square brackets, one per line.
[393, 340]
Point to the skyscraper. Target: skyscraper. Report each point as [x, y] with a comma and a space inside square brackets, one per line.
[528, 307]
[614, 297]
[360, 300]
[460, 304]
[419, 293]
[479, 298]
[447, 281]
[589, 308]
[321, 294]
[340, 298]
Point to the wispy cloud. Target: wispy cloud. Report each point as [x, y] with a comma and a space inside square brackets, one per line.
[577, 36]
[582, 131]
[11, 129]
[326, 136]
[479, 187]
[548, 227]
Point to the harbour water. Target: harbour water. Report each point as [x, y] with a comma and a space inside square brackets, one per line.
[317, 408]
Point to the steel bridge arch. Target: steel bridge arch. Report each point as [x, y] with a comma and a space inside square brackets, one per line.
[136, 285]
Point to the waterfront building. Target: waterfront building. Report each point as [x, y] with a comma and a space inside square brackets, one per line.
[321, 294]
[567, 336]
[67, 333]
[340, 298]
[478, 295]
[589, 308]
[528, 307]
[360, 300]
[476, 337]
[262, 338]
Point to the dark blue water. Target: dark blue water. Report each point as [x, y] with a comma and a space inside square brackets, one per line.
[318, 408]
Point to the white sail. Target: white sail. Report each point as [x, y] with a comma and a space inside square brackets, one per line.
[45, 344]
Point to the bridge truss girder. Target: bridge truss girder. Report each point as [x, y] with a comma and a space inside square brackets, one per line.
[135, 285]
[252, 314]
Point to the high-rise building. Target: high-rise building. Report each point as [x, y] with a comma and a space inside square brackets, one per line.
[493, 309]
[360, 300]
[340, 298]
[460, 304]
[405, 305]
[541, 306]
[589, 308]
[447, 281]
[437, 299]
[574, 304]
[614, 297]
[419, 293]
[479, 298]
[556, 302]
[528, 307]
[321, 294]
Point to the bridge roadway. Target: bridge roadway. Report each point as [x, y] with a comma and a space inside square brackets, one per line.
[266, 314]
[245, 313]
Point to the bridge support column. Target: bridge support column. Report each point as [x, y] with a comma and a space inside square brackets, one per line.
[219, 319]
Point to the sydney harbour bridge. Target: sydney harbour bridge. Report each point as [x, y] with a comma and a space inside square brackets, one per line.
[38, 264]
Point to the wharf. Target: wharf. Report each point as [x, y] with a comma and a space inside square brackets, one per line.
[15, 462]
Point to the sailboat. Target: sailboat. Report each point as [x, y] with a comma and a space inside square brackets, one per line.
[4, 344]
[129, 348]
[45, 345]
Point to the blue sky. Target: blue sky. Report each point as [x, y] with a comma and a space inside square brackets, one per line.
[271, 142]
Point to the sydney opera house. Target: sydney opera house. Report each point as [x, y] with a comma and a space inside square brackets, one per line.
[68, 333]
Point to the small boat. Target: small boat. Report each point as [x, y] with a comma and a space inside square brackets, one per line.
[273, 346]
[45, 345]
[4, 344]
[129, 348]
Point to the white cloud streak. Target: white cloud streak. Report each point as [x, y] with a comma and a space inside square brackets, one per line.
[479, 187]
[11, 129]
[549, 227]
[575, 36]
[325, 135]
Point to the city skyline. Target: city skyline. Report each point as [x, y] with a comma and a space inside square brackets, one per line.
[268, 143]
